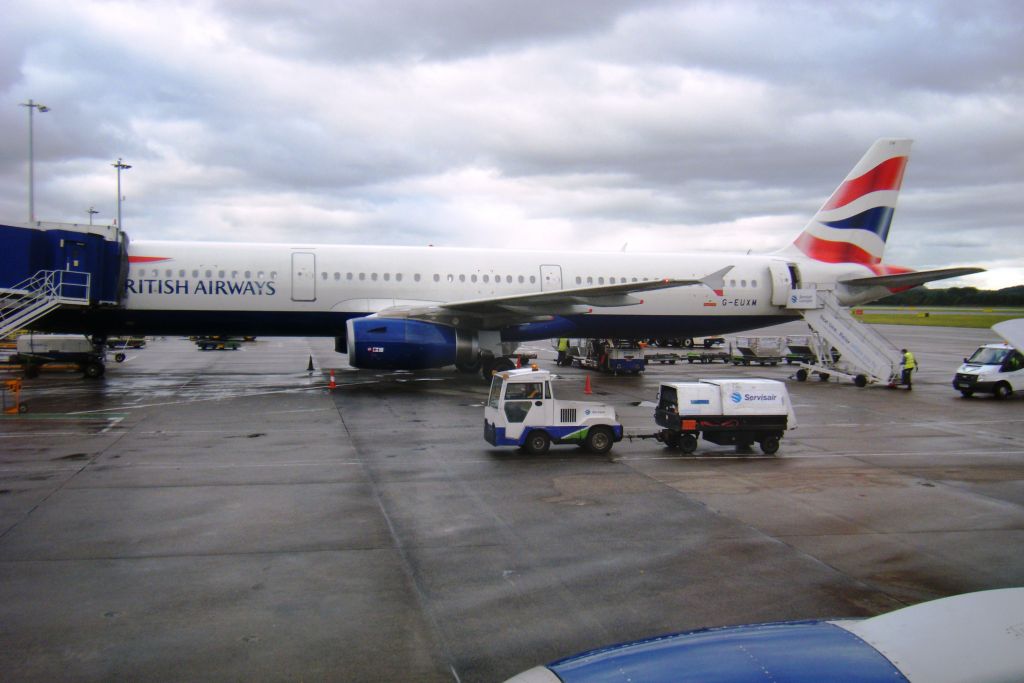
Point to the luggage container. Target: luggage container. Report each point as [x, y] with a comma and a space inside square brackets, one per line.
[737, 412]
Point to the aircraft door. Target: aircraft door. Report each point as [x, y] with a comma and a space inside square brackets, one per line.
[550, 278]
[74, 255]
[303, 276]
[783, 281]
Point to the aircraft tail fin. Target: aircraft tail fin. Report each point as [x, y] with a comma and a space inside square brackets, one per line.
[852, 226]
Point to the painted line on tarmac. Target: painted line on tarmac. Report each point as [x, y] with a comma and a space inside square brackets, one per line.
[198, 400]
[810, 456]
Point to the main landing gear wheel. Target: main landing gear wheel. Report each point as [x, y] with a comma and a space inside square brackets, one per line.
[93, 370]
[537, 442]
[599, 440]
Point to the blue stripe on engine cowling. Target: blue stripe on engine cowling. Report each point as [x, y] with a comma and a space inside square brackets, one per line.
[797, 652]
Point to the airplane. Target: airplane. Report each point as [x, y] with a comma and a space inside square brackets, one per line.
[413, 308]
[973, 637]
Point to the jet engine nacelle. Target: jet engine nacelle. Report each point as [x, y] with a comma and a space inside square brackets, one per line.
[400, 344]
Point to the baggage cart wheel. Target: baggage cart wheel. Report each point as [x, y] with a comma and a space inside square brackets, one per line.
[823, 376]
[599, 440]
[801, 375]
[770, 445]
[537, 442]
[861, 381]
[687, 443]
[120, 357]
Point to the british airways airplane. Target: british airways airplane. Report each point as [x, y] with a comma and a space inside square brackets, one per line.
[431, 307]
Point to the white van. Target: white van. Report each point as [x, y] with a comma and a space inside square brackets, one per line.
[997, 369]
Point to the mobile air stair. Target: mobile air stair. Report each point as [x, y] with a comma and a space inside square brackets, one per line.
[865, 355]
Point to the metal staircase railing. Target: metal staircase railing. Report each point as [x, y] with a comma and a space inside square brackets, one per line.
[31, 299]
[862, 347]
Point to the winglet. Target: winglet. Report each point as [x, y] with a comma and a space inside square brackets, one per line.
[716, 281]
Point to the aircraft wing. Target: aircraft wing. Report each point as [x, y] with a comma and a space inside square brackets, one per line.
[499, 311]
[912, 279]
[1012, 331]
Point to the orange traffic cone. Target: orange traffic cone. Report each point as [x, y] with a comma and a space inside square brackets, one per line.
[586, 386]
[332, 385]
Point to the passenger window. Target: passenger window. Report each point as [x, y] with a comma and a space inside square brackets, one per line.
[323, 275]
[362, 276]
[248, 274]
[753, 283]
[533, 279]
[472, 278]
[373, 276]
[398, 277]
[522, 279]
[387, 277]
[437, 278]
[348, 276]
[416, 277]
[462, 278]
[209, 273]
[579, 280]
[337, 276]
[220, 274]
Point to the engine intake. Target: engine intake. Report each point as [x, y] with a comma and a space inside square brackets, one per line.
[398, 344]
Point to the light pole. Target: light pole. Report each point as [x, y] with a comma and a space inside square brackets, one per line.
[31, 158]
[120, 165]
[92, 212]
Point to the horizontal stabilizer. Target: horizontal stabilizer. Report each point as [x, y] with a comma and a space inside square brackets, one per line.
[907, 280]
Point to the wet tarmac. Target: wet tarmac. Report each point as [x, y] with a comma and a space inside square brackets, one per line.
[221, 515]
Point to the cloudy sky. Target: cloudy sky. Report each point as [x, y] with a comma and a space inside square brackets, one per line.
[589, 124]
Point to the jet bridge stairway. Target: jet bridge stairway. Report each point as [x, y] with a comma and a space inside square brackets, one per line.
[866, 356]
[31, 299]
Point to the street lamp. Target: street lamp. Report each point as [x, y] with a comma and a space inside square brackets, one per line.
[31, 158]
[92, 212]
[120, 165]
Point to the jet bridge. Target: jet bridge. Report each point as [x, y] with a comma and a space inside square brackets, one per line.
[45, 266]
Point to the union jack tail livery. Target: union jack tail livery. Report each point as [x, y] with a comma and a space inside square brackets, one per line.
[853, 224]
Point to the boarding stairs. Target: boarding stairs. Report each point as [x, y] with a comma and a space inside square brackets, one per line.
[33, 298]
[866, 356]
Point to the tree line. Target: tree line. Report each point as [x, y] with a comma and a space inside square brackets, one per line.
[957, 296]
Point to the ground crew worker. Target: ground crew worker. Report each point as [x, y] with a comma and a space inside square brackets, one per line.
[563, 350]
[909, 365]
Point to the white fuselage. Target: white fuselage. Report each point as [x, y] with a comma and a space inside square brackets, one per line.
[261, 281]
